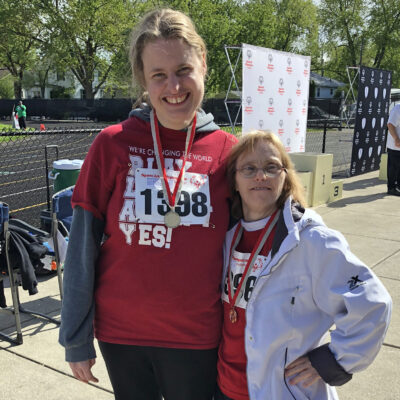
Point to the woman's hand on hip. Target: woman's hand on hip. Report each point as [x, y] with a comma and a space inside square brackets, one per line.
[82, 370]
[305, 373]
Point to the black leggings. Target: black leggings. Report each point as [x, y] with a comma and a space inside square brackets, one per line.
[150, 373]
[219, 395]
[393, 169]
[21, 122]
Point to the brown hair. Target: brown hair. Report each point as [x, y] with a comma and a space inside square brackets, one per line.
[162, 24]
[292, 185]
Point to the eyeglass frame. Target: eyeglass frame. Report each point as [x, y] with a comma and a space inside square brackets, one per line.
[263, 169]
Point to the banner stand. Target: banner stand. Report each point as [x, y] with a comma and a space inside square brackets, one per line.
[352, 113]
[233, 80]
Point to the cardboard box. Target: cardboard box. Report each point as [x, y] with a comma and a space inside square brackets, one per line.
[321, 167]
[336, 191]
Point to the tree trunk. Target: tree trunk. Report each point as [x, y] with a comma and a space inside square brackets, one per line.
[18, 88]
[88, 90]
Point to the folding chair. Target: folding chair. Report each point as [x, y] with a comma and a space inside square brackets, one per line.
[61, 225]
[16, 308]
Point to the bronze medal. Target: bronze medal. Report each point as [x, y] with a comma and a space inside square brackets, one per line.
[172, 219]
[233, 315]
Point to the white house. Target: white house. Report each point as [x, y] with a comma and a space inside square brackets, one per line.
[325, 88]
[56, 81]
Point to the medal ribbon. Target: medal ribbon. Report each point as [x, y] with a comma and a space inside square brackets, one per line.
[171, 198]
[262, 238]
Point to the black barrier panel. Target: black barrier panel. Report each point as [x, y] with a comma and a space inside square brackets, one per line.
[63, 109]
[330, 106]
[109, 110]
[371, 118]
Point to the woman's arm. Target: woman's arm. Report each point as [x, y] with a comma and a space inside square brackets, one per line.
[76, 330]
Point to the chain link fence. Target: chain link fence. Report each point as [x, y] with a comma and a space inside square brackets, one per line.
[23, 172]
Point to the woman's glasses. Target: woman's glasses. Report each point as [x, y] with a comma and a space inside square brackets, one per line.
[270, 170]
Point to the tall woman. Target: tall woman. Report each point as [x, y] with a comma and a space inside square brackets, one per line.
[150, 216]
[287, 280]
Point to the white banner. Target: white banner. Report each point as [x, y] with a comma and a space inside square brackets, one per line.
[275, 94]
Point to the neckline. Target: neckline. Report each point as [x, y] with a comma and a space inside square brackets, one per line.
[251, 226]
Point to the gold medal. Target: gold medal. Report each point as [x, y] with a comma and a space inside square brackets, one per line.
[172, 219]
[233, 315]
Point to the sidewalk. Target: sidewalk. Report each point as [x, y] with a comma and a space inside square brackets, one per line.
[368, 218]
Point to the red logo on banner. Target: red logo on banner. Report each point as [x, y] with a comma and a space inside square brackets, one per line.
[281, 90]
[301, 147]
[303, 111]
[248, 109]
[260, 88]
[270, 109]
[270, 66]
[288, 147]
[289, 68]
[249, 63]
[297, 130]
[298, 90]
[290, 108]
[305, 68]
[280, 129]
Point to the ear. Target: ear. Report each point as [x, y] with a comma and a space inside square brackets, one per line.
[204, 64]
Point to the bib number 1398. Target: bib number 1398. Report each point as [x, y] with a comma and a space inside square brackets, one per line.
[193, 205]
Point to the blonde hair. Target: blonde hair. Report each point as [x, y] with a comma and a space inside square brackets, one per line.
[162, 24]
[292, 185]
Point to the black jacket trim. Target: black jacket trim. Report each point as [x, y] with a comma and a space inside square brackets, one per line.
[323, 360]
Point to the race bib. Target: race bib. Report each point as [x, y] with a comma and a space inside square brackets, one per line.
[193, 205]
[237, 267]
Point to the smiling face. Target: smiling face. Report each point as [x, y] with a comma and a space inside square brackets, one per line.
[260, 193]
[174, 79]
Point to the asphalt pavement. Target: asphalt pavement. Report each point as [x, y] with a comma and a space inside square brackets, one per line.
[366, 215]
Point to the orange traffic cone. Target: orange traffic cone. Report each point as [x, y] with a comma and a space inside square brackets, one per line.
[42, 127]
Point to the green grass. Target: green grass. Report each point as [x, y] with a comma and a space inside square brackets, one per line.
[8, 128]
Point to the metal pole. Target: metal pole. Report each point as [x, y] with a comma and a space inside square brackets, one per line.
[47, 171]
[324, 138]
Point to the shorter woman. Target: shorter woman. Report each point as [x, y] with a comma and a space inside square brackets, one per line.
[287, 280]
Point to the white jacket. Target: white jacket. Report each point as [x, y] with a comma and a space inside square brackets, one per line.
[311, 282]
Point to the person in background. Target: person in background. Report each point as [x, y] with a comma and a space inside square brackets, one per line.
[393, 152]
[287, 280]
[144, 262]
[21, 112]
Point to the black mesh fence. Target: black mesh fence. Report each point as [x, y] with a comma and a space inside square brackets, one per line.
[23, 183]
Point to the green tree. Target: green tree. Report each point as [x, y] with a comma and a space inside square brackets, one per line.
[360, 31]
[18, 44]
[6, 87]
[86, 35]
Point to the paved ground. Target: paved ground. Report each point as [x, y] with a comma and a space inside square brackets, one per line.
[368, 218]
